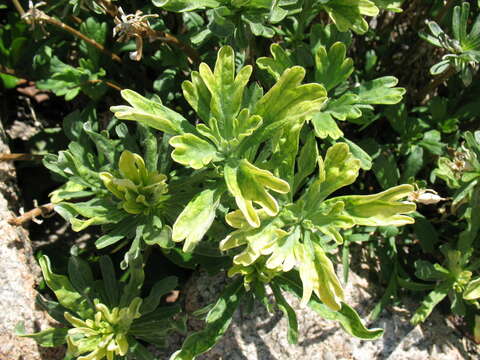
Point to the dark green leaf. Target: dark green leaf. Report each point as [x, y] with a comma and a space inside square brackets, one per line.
[48, 338]
[217, 322]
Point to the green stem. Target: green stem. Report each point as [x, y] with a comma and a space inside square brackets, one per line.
[19, 7]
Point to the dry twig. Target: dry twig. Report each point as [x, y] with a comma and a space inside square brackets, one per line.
[20, 157]
[43, 211]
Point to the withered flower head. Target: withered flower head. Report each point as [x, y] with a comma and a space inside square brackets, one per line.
[134, 26]
[35, 16]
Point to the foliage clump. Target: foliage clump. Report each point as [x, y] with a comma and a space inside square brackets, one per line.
[261, 139]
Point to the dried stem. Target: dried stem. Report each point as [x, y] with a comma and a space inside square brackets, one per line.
[81, 36]
[110, 8]
[106, 82]
[20, 157]
[43, 210]
[434, 84]
[34, 15]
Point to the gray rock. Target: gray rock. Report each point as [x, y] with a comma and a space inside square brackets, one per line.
[18, 275]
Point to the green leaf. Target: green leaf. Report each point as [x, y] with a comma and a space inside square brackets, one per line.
[346, 316]
[96, 31]
[386, 171]
[390, 5]
[53, 308]
[66, 294]
[154, 327]
[332, 68]
[80, 275]
[221, 82]
[440, 67]
[197, 217]
[347, 14]
[121, 230]
[427, 234]
[267, 238]
[96, 211]
[413, 164]
[139, 351]
[460, 21]
[185, 5]
[248, 184]
[9, 81]
[278, 63]
[412, 285]
[472, 292]
[360, 154]
[192, 151]
[151, 113]
[306, 162]
[217, 96]
[380, 209]
[380, 91]
[432, 299]
[340, 168]
[427, 271]
[217, 322]
[48, 338]
[161, 288]
[347, 106]
[110, 283]
[432, 141]
[289, 101]
[325, 126]
[105, 146]
[289, 312]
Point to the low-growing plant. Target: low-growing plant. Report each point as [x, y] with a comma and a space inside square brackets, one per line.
[232, 164]
[105, 318]
[263, 140]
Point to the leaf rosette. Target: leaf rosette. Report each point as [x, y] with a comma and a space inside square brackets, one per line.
[295, 237]
[105, 318]
[235, 121]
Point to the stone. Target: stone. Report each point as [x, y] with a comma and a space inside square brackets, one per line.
[19, 273]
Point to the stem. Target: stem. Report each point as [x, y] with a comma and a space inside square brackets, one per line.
[19, 7]
[106, 82]
[110, 8]
[81, 36]
[20, 157]
[444, 11]
[434, 84]
[187, 49]
[43, 210]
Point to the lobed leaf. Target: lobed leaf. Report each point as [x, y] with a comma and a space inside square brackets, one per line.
[332, 68]
[278, 63]
[197, 217]
[248, 184]
[192, 151]
[380, 209]
[151, 113]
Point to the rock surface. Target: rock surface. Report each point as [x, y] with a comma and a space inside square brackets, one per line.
[262, 336]
[18, 275]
